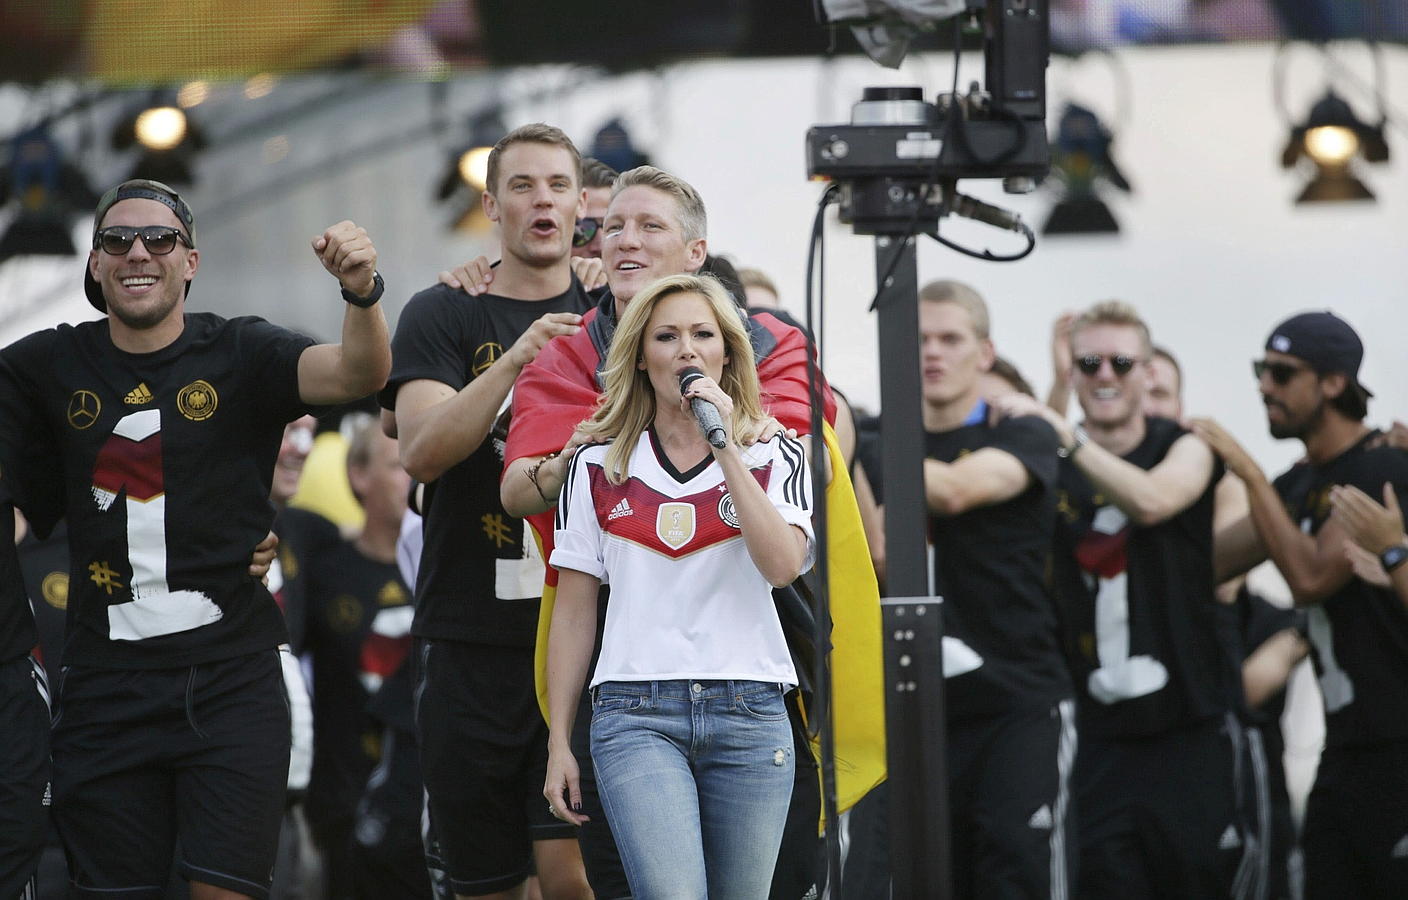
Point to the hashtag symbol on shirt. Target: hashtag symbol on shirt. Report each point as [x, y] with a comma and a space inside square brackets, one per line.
[103, 576]
[495, 529]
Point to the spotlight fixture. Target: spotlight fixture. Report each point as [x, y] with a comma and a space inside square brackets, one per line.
[1330, 138]
[1081, 160]
[467, 175]
[50, 192]
[168, 139]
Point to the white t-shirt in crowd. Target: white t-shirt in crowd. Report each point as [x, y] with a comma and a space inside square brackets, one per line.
[686, 599]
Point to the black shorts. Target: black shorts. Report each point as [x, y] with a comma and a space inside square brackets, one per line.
[143, 756]
[1158, 816]
[484, 755]
[24, 772]
[1009, 783]
[388, 858]
[1356, 824]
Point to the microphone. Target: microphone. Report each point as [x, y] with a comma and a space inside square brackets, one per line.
[706, 413]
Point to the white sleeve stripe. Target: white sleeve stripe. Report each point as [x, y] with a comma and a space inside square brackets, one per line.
[562, 498]
[792, 488]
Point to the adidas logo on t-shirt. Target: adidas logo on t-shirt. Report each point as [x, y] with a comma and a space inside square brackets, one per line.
[1041, 818]
[138, 395]
[1230, 840]
[1400, 849]
[620, 509]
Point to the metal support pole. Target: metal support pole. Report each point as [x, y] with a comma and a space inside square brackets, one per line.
[920, 852]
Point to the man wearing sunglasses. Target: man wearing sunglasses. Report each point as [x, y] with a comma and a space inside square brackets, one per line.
[1355, 837]
[171, 719]
[597, 180]
[1154, 780]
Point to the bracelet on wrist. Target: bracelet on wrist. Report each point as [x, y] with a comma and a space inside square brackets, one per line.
[1079, 438]
[532, 473]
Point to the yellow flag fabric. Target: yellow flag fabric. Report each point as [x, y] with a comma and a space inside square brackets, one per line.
[323, 488]
[128, 42]
[857, 667]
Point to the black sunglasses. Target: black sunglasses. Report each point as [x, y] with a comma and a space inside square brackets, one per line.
[158, 239]
[1281, 373]
[1091, 362]
[586, 230]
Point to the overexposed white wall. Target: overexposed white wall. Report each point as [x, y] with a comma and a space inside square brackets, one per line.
[1212, 249]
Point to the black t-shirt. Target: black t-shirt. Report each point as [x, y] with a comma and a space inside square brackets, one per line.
[990, 565]
[480, 576]
[45, 566]
[17, 634]
[168, 459]
[359, 619]
[303, 535]
[29, 480]
[1358, 636]
[1141, 620]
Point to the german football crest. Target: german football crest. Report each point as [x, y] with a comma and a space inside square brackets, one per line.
[674, 524]
[727, 513]
[197, 401]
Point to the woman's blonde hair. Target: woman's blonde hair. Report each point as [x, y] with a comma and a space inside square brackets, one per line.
[628, 407]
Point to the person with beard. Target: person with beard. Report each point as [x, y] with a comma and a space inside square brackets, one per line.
[1354, 839]
[172, 724]
[1133, 571]
[482, 742]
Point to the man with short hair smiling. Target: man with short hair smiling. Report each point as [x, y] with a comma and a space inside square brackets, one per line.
[172, 722]
[1154, 777]
[1355, 836]
[482, 742]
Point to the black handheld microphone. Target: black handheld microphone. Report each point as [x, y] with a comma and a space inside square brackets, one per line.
[706, 413]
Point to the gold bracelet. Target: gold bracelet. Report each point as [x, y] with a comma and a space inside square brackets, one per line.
[533, 475]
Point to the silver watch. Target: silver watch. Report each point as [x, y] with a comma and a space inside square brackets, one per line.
[1079, 438]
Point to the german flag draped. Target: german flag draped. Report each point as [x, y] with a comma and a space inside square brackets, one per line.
[559, 390]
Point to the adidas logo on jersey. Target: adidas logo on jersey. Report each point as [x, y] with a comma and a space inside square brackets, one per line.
[138, 395]
[1400, 849]
[1230, 839]
[620, 510]
[1041, 818]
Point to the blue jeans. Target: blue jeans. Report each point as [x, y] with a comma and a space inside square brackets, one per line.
[695, 778]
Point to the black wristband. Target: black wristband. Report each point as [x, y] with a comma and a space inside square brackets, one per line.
[378, 288]
[1394, 557]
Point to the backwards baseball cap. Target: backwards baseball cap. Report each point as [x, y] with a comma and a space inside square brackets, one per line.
[135, 189]
[1323, 340]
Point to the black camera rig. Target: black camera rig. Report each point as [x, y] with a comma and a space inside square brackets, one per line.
[900, 157]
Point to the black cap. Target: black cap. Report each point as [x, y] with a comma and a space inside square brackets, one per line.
[1323, 340]
[135, 189]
